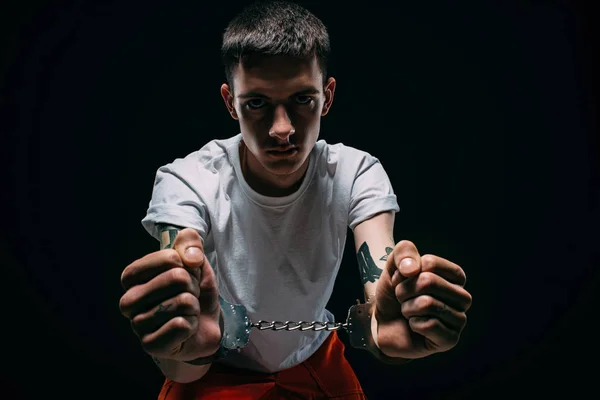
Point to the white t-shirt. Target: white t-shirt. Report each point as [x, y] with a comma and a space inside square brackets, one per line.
[277, 256]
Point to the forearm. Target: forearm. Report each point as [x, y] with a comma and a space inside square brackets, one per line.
[180, 371]
[374, 243]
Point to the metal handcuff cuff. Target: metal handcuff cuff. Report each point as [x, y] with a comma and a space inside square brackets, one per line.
[236, 326]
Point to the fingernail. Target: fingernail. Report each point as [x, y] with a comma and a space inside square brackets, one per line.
[193, 254]
[408, 265]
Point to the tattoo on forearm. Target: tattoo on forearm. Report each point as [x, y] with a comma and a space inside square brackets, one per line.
[167, 236]
[388, 251]
[369, 271]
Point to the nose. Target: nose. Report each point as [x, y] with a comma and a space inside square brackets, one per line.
[282, 127]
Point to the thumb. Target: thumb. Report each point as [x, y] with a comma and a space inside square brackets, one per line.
[404, 262]
[188, 245]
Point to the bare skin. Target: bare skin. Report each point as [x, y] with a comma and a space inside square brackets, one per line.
[172, 298]
[172, 301]
[279, 102]
[421, 303]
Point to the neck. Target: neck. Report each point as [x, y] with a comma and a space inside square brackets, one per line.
[265, 182]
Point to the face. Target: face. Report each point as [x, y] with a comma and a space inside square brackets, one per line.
[279, 103]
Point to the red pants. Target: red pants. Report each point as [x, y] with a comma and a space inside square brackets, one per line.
[325, 375]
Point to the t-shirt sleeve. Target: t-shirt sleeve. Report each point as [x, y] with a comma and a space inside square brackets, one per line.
[371, 193]
[174, 202]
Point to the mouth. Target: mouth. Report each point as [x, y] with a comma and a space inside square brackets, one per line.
[283, 151]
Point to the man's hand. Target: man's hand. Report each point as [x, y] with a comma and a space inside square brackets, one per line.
[172, 300]
[420, 305]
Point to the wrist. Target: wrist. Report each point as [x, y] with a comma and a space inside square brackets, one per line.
[374, 326]
[363, 330]
[221, 351]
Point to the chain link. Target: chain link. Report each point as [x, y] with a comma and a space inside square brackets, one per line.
[300, 325]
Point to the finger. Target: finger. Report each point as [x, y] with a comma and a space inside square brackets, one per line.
[209, 292]
[405, 261]
[184, 305]
[428, 306]
[444, 268]
[144, 269]
[437, 334]
[168, 338]
[190, 248]
[436, 286]
[142, 298]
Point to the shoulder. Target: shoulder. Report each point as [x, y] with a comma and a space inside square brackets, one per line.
[340, 154]
[210, 158]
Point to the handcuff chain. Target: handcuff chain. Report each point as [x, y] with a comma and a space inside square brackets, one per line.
[300, 325]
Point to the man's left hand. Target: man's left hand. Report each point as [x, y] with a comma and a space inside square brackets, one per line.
[421, 304]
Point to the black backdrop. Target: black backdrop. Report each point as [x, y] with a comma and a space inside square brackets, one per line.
[483, 114]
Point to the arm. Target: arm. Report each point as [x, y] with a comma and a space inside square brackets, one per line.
[175, 370]
[374, 241]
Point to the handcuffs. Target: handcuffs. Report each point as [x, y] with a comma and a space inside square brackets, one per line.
[236, 326]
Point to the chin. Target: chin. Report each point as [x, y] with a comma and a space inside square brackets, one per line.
[284, 166]
[280, 169]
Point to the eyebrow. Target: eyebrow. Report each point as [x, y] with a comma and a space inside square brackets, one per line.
[302, 92]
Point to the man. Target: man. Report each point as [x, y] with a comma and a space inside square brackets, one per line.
[259, 222]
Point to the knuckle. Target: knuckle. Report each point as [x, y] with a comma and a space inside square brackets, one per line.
[468, 300]
[181, 324]
[454, 338]
[125, 305]
[399, 292]
[190, 234]
[172, 258]
[137, 322]
[404, 243]
[462, 277]
[428, 262]
[148, 343]
[404, 307]
[463, 320]
[431, 323]
[400, 250]
[422, 323]
[426, 280]
[180, 277]
[125, 276]
[425, 303]
[186, 301]
[187, 232]
[408, 307]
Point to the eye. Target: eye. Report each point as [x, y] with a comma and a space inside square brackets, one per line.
[304, 99]
[255, 104]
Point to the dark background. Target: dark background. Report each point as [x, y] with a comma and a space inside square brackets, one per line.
[482, 112]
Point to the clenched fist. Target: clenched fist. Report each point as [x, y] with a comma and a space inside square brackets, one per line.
[171, 299]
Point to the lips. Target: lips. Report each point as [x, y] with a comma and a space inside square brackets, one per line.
[282, 149]
[279, 150]
[283, 152]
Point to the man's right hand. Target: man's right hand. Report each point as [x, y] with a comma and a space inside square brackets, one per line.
[171, 299]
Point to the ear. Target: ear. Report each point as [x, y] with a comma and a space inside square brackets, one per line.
[227, 95]
[329, 90]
